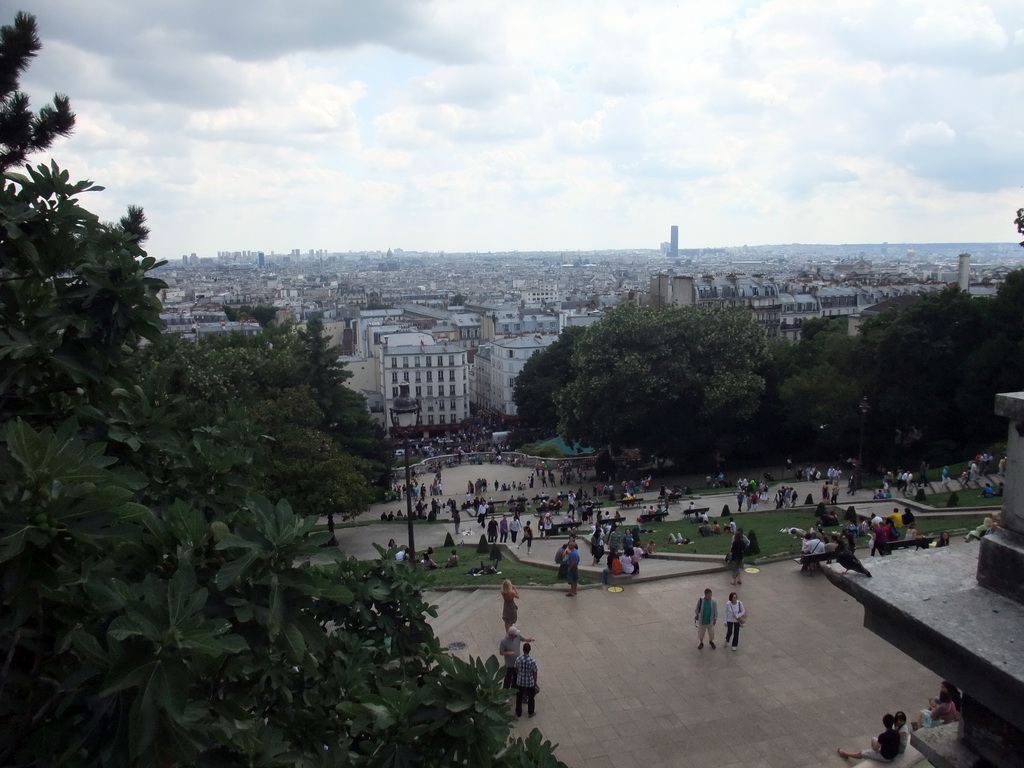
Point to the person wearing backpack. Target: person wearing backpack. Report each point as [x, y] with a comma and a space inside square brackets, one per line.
[705, 616]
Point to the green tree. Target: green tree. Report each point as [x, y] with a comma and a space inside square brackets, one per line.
[543, 376]
[668, 380]
[153, 610]
[819, 389]
[23, 132]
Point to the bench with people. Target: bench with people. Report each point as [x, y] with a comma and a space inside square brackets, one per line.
[652, 516]
[627, 502]
[694, 514]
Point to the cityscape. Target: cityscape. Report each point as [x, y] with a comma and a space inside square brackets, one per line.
[485, 314]
[343, 342]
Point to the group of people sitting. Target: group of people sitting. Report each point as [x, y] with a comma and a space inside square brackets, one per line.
[893, 741]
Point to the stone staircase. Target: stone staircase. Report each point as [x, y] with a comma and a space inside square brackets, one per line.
[457, 605]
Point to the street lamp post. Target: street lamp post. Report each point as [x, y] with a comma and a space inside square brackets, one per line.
[405, 414]
[864, 408]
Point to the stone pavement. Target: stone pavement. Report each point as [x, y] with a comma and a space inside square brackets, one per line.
[623, 682]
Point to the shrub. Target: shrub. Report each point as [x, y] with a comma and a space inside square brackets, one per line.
[495, 552]
[431, 516]
[953, 500]
[448, 540]
[809, 500]
[754, 548]
[725, 511]
[483, 547]
[851, 515]
[819, 511]
[920, 496]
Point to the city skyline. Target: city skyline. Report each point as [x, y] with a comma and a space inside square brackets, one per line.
[467, 127]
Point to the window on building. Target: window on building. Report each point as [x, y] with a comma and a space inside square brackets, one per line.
[405, 375]
[427, 359]
[430, 374]
[440, 405]
[511, 381]
[416, 362]
[451, 375]
[430, 420]
[394, 376]
[405, 362]
[394, 391]
[417, 378]
[440, 419]
[451, 359]
[451, 389]
[464, 389]
[430, 390]
[418, 392]
[394, 362]
[451, 405]
[511, 353]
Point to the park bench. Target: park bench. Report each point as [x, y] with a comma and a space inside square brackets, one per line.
[696, 511]
[628, 503]
[814, 561]
[650, 517]
[922, 543]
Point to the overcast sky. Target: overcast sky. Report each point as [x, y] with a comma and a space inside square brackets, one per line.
[477, 125]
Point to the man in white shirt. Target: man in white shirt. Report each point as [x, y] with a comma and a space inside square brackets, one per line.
[811, 547]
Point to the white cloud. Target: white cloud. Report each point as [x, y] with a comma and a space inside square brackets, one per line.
[478, 125]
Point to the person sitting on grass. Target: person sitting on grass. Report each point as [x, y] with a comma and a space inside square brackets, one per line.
[650, 548]
[453, 561]
[884, 749]
[428, 561]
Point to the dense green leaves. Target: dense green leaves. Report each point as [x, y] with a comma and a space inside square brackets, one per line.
[663, 379]
[156, 609]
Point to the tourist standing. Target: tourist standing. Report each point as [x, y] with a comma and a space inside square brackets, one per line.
[736, 552]
[509, 610]
[572, 574]
[526, 681]
[735, 616]
[509, 648]
[704, 618]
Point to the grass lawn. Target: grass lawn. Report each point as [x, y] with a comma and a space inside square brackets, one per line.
[768, 525]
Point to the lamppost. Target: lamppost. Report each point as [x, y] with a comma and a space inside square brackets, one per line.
[405, 414]
[864, 408]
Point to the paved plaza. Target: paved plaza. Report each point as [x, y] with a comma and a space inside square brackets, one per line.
[622, 682]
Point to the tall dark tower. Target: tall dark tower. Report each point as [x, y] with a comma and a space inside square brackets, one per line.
[673, 246]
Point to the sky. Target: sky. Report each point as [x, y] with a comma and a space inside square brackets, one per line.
[479, 125]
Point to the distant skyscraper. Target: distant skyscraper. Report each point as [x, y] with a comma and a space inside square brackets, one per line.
[261, 259]
[673, 246]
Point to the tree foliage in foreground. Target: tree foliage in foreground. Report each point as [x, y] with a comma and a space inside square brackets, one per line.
[543, 376]
[154, 610]
[664, 379]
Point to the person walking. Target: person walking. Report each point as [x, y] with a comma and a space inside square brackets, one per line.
[704, 619]
[527, 537]
[526, 681]
[515, 527]
[510, 647]
[572, 574]
[736, 552]
[509, 611]
[735, 617]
